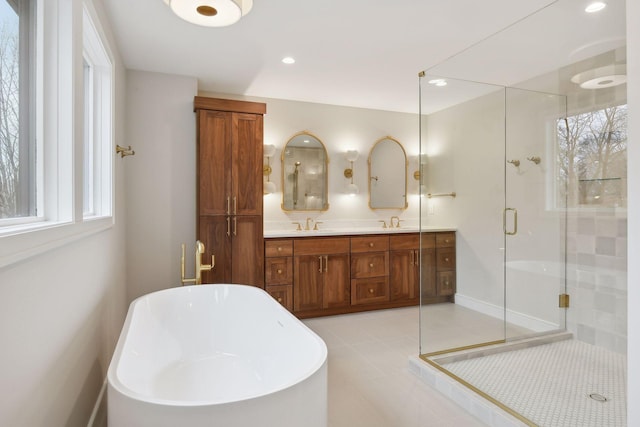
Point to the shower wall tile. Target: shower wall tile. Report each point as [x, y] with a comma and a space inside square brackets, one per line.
[587, 334]
[585, 244]
[622, 227]
[605, 302]
[586, 259]
[606, 246]
[607, 227]
[597, 279]
[621, 247]
[587, 226]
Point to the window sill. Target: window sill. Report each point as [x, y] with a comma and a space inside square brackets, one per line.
[21, 243]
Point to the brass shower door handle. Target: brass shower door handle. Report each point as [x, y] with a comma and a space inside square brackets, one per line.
[515, 221]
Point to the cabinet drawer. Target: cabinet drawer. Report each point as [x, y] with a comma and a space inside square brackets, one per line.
[278, 271]
[445, 240]
[446, 259]
[283, 294]
[278, 248]
[321, 246]
[369, 291]
[446, 283]
[400, 242]
[369, 244]
[369, 264]
[428, 240]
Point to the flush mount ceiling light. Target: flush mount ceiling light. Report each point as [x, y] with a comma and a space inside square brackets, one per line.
[210, 13]
[596, 6]
[602, 77]
[288, 60]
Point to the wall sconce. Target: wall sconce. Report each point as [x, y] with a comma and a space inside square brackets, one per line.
[352, 156]
[269, 151]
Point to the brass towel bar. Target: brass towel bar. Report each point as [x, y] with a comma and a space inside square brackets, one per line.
[452, 194]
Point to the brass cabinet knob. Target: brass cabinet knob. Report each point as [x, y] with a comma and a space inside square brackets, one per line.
[446, 259]
[446, 240]
[446, 283]
[279, 271]
[279, 299]
[279, 249]
[371, 291]
[371, 244]
[371, 265]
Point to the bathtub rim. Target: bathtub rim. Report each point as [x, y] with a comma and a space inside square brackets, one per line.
[114, 383]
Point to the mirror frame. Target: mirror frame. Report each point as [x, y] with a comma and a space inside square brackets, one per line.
[326, 175]
[406, 166]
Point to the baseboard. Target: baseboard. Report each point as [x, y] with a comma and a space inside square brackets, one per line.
[513, 317]
[99, 414]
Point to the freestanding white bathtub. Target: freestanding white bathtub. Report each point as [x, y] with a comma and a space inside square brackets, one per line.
[216, 355]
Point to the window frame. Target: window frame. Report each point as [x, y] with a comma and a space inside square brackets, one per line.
[59, 131]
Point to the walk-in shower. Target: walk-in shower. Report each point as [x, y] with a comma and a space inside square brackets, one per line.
[537, 158]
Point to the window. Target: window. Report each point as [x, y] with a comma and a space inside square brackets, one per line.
[18, 189]
[592, 158]
[97, 140]
[56, 179]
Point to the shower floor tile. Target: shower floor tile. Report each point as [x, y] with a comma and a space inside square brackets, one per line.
[550, 384]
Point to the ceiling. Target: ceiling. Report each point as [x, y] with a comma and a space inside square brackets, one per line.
[363, 53]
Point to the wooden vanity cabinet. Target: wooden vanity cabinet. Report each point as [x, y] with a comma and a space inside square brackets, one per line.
[320, 274]
[369, 269]
[404, 260]
[278, 271]
[445, 264]
[229, 154]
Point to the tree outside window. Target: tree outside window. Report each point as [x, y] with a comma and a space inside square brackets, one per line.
[592, 158]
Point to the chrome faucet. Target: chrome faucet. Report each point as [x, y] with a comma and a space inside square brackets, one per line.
[199, 266]
[307, 226]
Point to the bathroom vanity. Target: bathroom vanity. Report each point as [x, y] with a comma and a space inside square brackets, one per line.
[316, 275]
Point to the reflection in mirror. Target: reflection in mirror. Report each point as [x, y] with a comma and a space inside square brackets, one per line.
[304, 174]
[387, 175]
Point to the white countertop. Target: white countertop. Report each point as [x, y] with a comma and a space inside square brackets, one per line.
[269, 234]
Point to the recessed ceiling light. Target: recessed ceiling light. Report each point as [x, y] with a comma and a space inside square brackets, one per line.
[288, 60]
[596, 6]
[438, 82]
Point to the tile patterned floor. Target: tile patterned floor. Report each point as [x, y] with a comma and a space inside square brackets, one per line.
[553, 383]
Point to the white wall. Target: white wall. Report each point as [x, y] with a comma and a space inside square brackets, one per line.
[633, 320]
[161, 179]
[61, 315]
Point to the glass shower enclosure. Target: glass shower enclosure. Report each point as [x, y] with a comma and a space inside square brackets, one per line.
[528, 129]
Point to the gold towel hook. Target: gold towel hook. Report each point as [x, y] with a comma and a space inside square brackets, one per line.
[124, 151]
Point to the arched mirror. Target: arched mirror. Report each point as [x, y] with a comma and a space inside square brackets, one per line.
[387, 175]
[304, 174]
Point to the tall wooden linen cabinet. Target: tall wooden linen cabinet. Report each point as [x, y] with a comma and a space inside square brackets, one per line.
[229, 205]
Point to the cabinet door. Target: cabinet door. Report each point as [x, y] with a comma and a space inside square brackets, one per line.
[247, 250]
[337, 286]
[213, 233]
[247, 164]
[307, 282]
[428, 285]
[214, 160]
[404, 274]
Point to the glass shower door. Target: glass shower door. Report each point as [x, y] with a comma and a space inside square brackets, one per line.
[534, 217]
